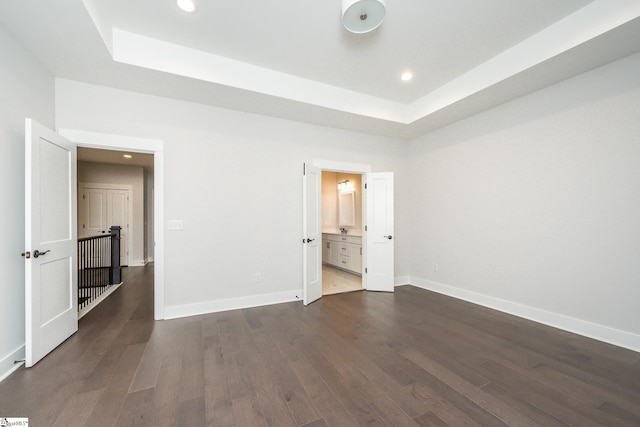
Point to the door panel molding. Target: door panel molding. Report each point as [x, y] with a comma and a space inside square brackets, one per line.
[51, 285]
[109, 190]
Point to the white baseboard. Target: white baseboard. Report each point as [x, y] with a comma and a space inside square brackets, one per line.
[136, 263]
[176, 311]
[401, 280]
[8, 363]
[581, 327]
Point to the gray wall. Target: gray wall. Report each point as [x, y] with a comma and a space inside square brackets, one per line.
[537, 203]
[235, 179]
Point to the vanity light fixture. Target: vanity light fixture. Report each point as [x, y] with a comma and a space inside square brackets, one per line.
[127, 156]
[186, 5]
[345, 185]
[362, 16]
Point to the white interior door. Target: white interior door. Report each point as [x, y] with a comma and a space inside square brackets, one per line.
[311, 234]
[101, 208]
[93, 212]
[379, 232]
[51, 286]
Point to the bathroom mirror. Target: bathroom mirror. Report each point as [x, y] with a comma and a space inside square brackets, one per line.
[347, 209]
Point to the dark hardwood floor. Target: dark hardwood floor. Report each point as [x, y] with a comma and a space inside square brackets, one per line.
[363, 358]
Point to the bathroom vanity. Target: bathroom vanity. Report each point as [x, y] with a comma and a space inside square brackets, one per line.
[342, 251]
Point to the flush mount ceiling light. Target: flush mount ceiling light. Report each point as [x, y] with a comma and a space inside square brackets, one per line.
[186, 5]
[406, 76]
[127, 156]
[362, 16]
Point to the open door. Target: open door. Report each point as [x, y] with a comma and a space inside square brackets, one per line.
[379, 232]
[311, 234]
[51, 286]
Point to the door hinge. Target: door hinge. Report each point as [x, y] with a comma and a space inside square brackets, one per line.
[365, 270]
[304, 169]
[83, 197]
[365, 185]
[83, 226]
[365, 228]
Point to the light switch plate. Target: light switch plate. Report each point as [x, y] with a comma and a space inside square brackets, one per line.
[175, 224]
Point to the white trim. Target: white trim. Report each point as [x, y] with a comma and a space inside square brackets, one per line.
[177, 311]
[140, 145]
[335, 166]
[581, 327]
[8, 364]
[103, 186]
[97, 301]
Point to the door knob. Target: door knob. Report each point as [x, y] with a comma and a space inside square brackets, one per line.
[37, 253]
[388, 237]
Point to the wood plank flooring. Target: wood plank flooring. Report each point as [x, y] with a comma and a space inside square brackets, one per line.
[413, 358]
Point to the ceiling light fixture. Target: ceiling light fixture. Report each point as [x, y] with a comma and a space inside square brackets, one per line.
[127, 156]
[362, 16]
[186, 5]
[406, 76]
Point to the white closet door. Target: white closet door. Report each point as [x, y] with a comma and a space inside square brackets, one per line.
[93, 221]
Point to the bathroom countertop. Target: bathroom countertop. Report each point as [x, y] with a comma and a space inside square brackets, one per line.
[353, 233]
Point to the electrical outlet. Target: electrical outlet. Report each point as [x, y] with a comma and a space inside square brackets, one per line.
[258, 277]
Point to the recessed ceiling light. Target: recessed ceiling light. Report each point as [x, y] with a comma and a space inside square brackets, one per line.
[186, 5]
[406, 76]
[127, 156]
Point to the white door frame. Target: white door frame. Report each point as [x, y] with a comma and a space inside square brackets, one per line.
[137, 145]
[354, 168]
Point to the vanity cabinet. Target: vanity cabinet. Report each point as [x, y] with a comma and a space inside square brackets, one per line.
[342, 251]
[330, 252]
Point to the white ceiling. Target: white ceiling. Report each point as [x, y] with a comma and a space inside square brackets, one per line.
[293, 59]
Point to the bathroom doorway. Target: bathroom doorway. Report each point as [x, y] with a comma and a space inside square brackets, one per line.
[341, 232]
[376, 257]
